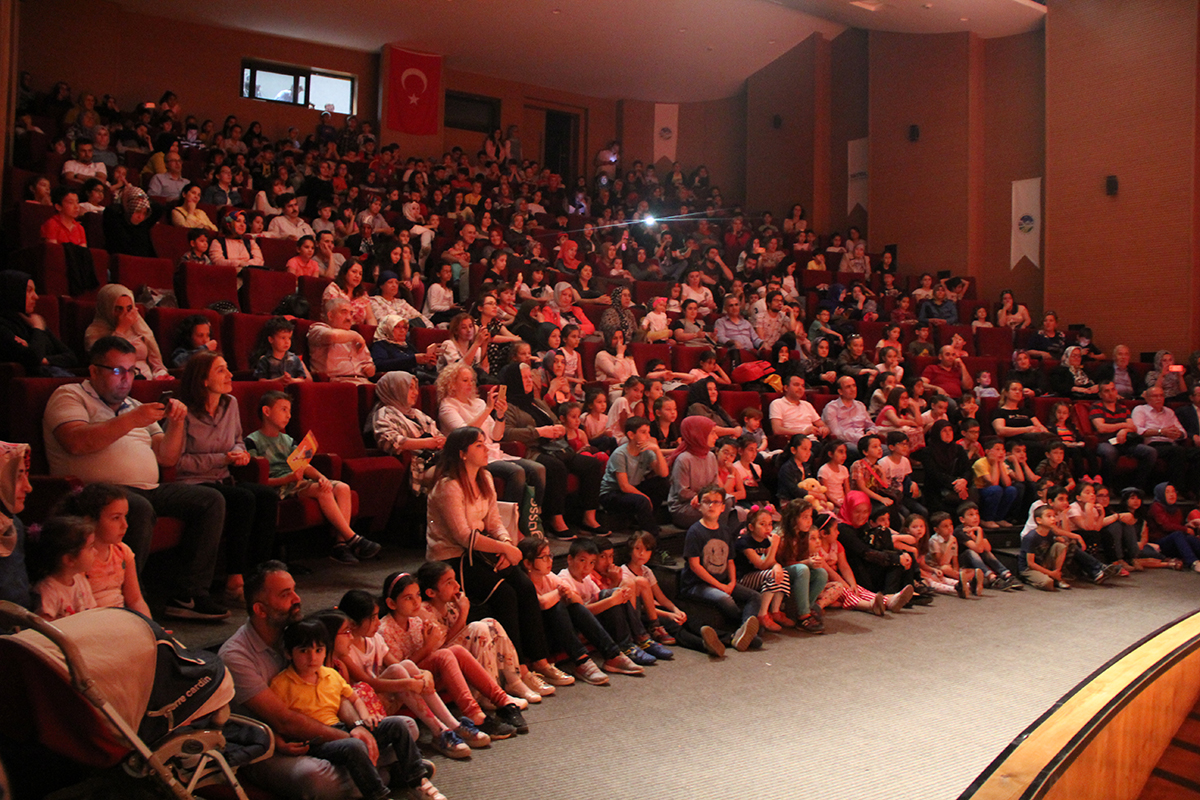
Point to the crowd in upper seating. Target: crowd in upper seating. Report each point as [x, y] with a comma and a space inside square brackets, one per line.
[549, 359]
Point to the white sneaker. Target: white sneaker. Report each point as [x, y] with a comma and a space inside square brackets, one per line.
[588, 672]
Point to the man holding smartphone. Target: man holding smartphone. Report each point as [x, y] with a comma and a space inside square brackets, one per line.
[96, 432]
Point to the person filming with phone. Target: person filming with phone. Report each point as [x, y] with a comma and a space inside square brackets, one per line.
[96, 432]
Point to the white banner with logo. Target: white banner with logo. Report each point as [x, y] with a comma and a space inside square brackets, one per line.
[857, 185]
[666, 130]
[1026, 221]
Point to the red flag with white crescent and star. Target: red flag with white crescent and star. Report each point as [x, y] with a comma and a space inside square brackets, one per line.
[414, 91]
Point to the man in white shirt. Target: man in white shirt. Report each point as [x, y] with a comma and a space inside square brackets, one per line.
[1161, 429]
[792, 414]
[169, 184]
[82, 168]
[288, 225]
[95, 432]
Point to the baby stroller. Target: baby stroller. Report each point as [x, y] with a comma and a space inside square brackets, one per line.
[109, 686]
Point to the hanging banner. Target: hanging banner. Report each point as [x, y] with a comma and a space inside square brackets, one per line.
[666, 130]
[414, 90]
[857, 184]
[1026, 221]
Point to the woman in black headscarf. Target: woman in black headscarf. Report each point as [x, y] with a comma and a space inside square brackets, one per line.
[947, 467]
[24, 337]
[530, 421]
[529, 317]
[702, 402]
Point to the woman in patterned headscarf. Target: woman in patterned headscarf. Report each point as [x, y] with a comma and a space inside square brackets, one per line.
[619, 317]
[14, 487]
[398, 426]
[127, 225]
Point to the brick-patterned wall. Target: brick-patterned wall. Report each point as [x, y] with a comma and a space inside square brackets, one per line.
[1121, 100]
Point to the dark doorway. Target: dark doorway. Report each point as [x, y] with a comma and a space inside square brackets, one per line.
[562, 144]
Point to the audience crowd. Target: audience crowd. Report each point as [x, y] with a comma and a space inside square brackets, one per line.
[630, 353]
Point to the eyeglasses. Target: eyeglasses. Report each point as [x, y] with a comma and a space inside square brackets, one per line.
[117, 372]
[712, 502]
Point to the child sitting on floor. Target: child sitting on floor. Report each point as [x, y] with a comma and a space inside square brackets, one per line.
[607, 577]
[565, 618]
[710, 576]
[310, 688]
[613, 609]
[400, 684]
[758, 568]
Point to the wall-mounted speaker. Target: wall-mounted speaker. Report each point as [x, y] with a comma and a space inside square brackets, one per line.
[776, 122]
[1110, 185]
[914, 133]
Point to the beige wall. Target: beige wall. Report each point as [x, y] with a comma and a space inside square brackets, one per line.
[1121, 100]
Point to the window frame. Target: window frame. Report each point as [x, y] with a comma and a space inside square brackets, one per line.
[301, 75]
[493, 103]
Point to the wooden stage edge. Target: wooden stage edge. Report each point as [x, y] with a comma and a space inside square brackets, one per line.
[1103, 739]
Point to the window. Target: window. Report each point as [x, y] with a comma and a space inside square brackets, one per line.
[301, 86]
[472, 112]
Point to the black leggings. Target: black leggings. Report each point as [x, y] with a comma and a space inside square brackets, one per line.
[588, 469]
[513, 602]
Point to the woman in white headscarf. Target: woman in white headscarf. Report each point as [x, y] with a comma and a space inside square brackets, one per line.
[399, 427]
[565, 312]
[14, 487]
[117, 315]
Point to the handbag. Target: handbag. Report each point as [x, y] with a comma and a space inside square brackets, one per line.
[531, 515]
[469, 558]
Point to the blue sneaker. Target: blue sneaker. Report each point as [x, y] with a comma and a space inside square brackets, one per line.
[639, 656]
[657, 650]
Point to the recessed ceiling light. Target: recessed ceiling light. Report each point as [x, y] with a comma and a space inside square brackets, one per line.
[770, 41]
[556, 11]
[964, 19]
[869, 5]
[927, 5]
[683, 30]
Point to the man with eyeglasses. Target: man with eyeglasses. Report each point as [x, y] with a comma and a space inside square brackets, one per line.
[96, 432]
[169, 185]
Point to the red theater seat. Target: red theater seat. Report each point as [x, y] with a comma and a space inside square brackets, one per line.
[262, 289]
[276, 252]
[201, 285]
[170, 241]
[134, 272]
[325, 409]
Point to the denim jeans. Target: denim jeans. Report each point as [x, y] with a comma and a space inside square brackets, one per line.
[351, 754]
[565, 621]
[1178, 544]
[996, 501]
[1146, 457]
[969, 559]
[736, 608]
[516, 474]
[806, 586]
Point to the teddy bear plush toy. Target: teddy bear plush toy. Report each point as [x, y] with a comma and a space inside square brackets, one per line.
[816, 492]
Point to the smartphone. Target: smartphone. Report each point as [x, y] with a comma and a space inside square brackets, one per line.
[503, 391]
[1176, 368]
[166, 397]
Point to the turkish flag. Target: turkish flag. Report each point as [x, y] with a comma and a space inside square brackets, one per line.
[414, 90]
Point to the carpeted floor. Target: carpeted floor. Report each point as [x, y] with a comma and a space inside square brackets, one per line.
[912, 706]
